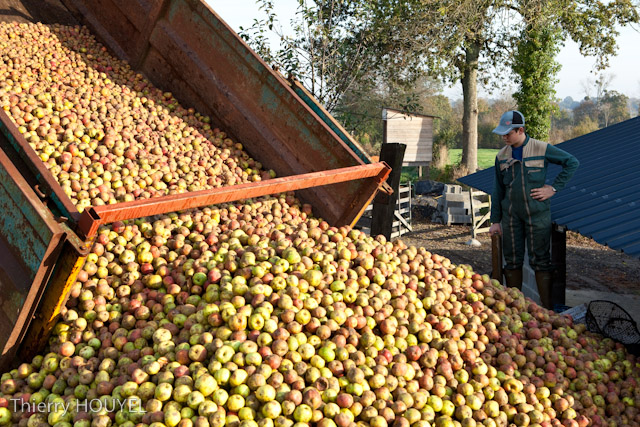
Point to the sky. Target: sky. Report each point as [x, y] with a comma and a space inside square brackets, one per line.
[575, 74]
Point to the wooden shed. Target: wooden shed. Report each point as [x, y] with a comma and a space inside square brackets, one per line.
[412, 129]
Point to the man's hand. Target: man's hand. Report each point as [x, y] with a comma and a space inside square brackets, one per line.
[543, 193]
[495, 228]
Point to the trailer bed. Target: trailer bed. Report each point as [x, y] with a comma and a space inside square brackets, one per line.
[182, 47]
[45, 11]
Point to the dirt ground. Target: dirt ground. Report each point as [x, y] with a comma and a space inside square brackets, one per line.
[590, 266]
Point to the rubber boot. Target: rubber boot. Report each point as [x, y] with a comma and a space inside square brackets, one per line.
[513, 278]
[544, 282]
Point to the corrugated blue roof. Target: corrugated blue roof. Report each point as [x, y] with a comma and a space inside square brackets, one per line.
[602, 200]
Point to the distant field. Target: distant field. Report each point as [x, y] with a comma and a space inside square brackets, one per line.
[486, 156]
[486, 159]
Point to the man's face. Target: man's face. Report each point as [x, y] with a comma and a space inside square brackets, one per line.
[514, 138]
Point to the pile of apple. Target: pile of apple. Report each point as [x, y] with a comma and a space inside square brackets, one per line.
[259, 314]
[104, 132]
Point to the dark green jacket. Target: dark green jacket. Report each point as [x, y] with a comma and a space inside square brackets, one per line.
[514, 180]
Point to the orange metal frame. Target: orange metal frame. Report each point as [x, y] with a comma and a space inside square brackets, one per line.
[92, 218]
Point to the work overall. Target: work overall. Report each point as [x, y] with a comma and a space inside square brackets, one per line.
[524, 220]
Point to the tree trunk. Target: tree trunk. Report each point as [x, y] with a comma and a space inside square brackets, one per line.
[469, 73]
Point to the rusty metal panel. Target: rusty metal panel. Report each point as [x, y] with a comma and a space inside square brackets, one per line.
[45, 11]
[210, 57]
[67, 267]
[137, 12]
[44, 180]
[12, 271]
[110, 24]
[123, 25]
[319, 109]
[29, 245]
[182, 46]
[251, 101]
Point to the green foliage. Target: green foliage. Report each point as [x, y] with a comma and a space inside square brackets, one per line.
[588, 109]
[585, 126]
[449, 134]
[360, 108]
[590, 115]
[337, 46]
[536, 68]
[409, 174]
[488, 118]
[447, 129]
[594, 25]
[614, 108]
[611, 108]
[445, 174]
[561, 125]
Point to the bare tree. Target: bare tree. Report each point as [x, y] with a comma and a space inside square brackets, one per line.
[587, 85]
[605, 110]
[603, 83]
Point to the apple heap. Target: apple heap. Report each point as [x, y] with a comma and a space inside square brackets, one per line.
[259, 314]
[102, 130]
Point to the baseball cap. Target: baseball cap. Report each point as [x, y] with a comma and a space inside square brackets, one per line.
[510, 120]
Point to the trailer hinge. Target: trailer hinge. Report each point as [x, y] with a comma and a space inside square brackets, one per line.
[82, 247]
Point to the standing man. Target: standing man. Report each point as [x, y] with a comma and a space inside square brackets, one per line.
[520, 210]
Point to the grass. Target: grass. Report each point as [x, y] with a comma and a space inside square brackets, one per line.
[486, 156]
[486, 159]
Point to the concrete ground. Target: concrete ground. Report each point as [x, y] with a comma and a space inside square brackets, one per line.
[574, 298]
[631, 303]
